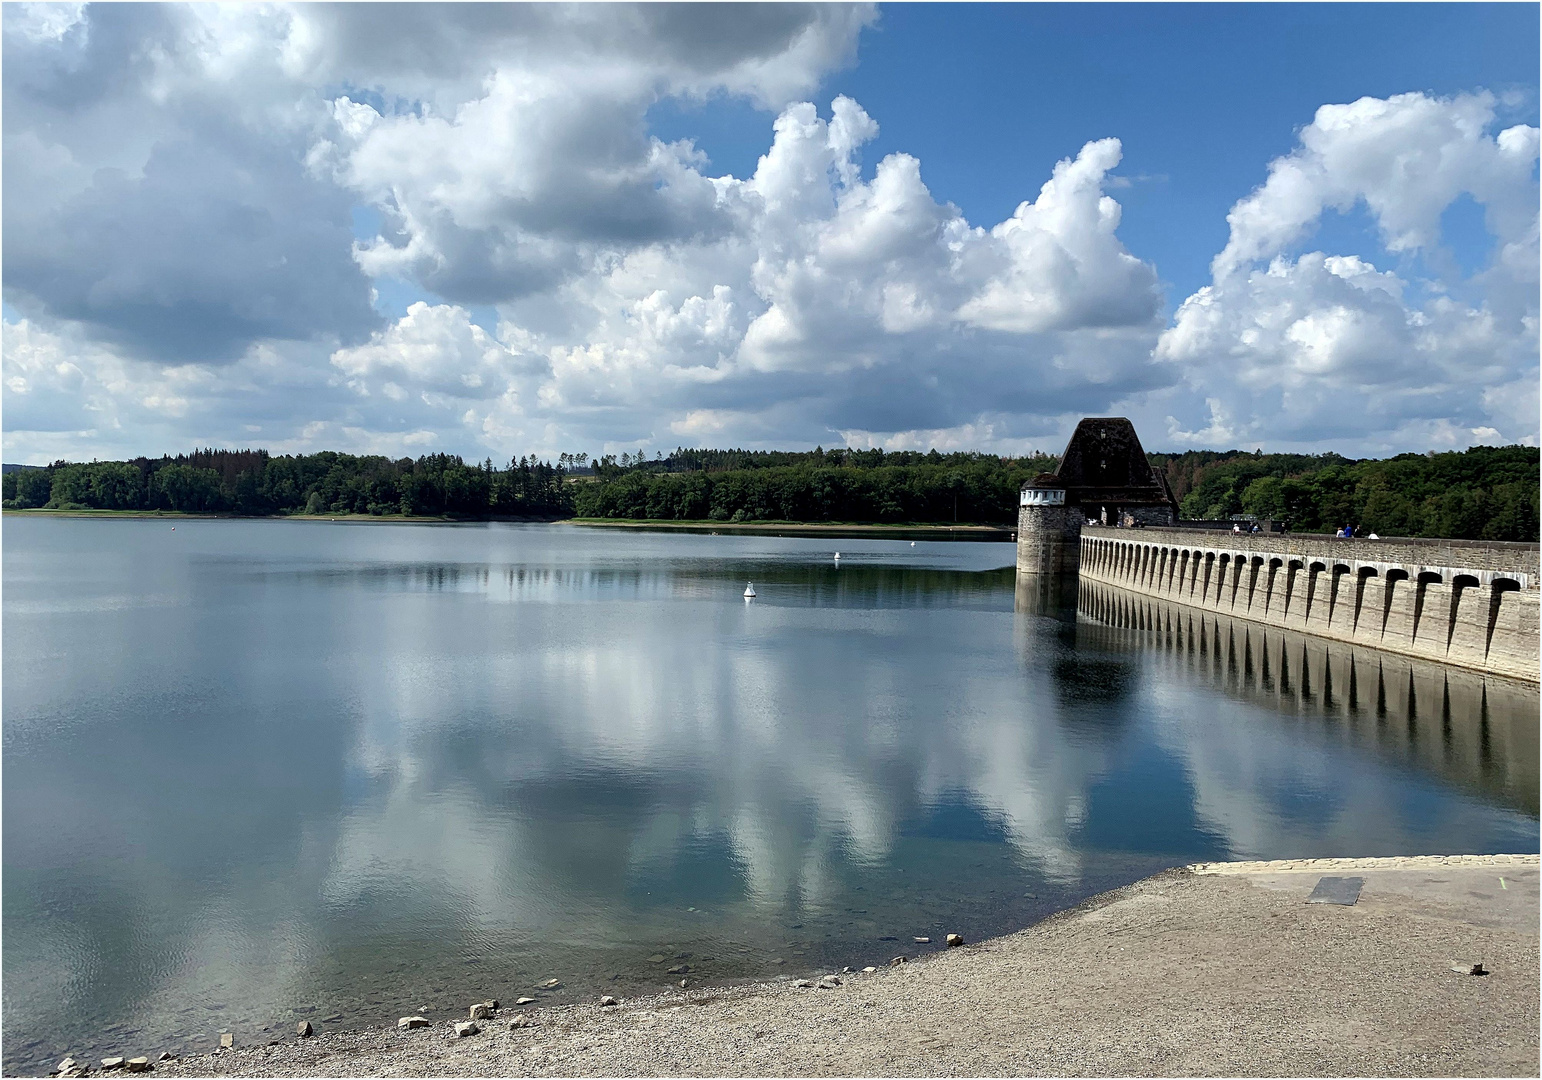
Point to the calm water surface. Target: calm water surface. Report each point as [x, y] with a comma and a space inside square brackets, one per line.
[260, 771]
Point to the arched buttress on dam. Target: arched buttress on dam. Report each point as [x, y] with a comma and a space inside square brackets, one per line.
[1476, 607]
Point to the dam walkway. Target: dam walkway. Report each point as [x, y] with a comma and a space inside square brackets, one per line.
[1472, 604]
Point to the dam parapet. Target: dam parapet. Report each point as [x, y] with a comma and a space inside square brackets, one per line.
[1472, 604]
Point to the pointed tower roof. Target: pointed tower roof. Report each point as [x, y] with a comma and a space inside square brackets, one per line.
[1104, 463]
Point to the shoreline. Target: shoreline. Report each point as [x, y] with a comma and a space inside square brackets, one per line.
[810, 528]
[1208, 968]
[224, 515]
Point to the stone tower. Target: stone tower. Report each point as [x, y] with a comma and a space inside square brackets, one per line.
[1048, 530]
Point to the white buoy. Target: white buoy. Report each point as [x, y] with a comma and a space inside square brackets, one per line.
[837, 556]
[749, 591]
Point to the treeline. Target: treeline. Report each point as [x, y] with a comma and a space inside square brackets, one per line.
[1488, 493]
[1485, 493]
[840, 485]
[252, 482]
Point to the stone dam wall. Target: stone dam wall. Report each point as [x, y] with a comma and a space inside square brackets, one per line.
[1470, 604]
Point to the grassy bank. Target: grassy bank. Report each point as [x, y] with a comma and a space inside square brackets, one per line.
[814, 528]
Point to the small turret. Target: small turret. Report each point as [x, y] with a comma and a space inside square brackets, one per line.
[1048, 530]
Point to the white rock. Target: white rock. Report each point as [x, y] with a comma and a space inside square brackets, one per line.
[897, 960]
[923, 941]
[138, 1064]
[466, 1027]
[869, 969]
[829, 982]
[166, 1055]
[481, 1011]
[303, 1029]
[954, 941]
[520, 1021]
[804, 983]
[66, 1065]
[607, 1000]
[525, 1001]
[112, 1062]
[408, 1022]
[227, 1040]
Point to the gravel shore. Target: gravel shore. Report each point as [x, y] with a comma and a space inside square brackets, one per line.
[1221, 969]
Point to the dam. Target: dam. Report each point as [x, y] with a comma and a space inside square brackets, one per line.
[1107, 516]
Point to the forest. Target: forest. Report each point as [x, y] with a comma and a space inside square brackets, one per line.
[255, 483]
[1488, 493]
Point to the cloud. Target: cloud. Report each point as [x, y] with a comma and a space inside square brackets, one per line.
[187, 189]
[151, 194]
[1317, 348]
[836, 303]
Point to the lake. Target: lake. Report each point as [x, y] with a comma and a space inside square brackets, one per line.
[263, 771]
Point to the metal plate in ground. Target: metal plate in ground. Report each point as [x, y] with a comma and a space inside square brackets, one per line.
[1337, 890]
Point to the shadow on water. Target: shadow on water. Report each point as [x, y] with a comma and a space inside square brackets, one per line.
[1476, 731]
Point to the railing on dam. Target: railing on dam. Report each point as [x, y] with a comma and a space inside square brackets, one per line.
[1472, 604]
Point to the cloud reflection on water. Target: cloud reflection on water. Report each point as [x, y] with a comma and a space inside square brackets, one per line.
[340, 762]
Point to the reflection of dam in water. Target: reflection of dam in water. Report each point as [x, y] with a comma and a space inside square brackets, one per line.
[1480, 732]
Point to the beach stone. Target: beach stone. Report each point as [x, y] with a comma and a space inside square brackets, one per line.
[481, 1011]
[955, 940]
[803, 983]
[923, 941]
[607, 1000]
[407, 1023]
[678, 969]
[227, 1040]
[166, 1055]
[869, 969]
[112, 1063]
[829, 982]
[524, 1001]
[138, 1064]
[897, 960]
[551, 984]
[682, 984]
[66, 1065]
[520, 1021]
[303, 1029]
[1469, 967]
[466, 1027]
[657, 958]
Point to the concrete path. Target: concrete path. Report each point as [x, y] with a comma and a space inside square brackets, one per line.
[1211, 970]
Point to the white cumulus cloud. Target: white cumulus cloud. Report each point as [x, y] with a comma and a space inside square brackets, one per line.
[1321, 348]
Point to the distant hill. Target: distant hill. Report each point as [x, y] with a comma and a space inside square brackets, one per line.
[7, 468]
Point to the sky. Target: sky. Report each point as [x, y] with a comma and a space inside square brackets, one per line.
[495, 230]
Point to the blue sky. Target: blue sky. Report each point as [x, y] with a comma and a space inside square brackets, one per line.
[989, 96]
[484, 230]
